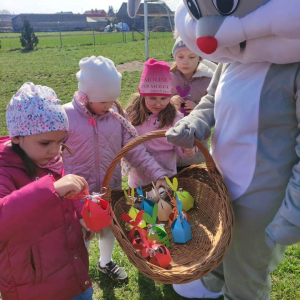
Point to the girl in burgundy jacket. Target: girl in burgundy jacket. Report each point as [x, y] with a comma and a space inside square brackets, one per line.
[42, 253]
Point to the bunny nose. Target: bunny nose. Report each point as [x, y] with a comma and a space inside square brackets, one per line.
[207, 44]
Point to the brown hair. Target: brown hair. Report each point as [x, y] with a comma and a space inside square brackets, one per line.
[120, 108]
[138, 112]
[30, 166]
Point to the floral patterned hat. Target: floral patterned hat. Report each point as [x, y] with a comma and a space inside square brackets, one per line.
[35, 109]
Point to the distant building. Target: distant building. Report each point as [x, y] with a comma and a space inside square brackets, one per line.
[159, 14]
[95, 13]
[51, 22]
[6, 22]
[65, 12]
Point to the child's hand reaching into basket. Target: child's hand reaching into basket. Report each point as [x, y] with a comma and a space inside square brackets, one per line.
[161, 182]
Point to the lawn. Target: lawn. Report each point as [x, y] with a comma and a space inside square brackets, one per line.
[56, 68]
[78, 38]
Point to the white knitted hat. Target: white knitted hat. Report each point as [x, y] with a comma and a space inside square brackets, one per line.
[99, 79]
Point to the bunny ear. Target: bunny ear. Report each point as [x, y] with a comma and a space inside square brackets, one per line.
[179, 205]
[151, 220]
[179, 90]
[175, 183]
[170, 184]
[140, 190]
[126, 196]
[144, 236]
[187, 90]
[126, 218]
[139, 217]
[155, 212]
[148, 219]
[155, 190]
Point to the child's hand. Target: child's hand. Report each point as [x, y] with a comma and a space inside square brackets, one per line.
[189, 105]
[161, 182]
[89, 233]
[189, 152]
[70, 185]
[177, 100]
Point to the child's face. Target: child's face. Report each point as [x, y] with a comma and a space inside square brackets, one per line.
[100, 108]
[155, 104]
[186, 61]
[41, 148]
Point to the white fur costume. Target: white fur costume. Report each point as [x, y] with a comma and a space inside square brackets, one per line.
[253, 103]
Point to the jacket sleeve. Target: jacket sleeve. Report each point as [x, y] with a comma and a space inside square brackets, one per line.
[199, 122]
[140, 159]
[18, 208]
[285, 227]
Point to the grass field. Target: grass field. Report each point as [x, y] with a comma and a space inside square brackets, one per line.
[56, 68]
[78, 38]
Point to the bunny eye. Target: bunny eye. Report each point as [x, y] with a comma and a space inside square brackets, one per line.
[226, 7]
[193, 9]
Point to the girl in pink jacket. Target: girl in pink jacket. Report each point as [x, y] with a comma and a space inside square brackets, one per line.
[42, 254]
[151, 110]
[98, 131]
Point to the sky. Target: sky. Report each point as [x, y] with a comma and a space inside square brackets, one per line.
[53, 6]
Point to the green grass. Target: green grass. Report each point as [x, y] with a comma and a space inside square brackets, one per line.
[77, 38]
[56, 68]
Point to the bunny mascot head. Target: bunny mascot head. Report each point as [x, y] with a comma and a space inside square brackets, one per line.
[253, 103]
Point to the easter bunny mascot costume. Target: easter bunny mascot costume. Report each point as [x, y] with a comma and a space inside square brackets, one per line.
[253, 103]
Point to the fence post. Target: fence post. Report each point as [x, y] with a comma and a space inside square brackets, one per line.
[60, 39]
[59, 34]
[132, 32]
[94, 35]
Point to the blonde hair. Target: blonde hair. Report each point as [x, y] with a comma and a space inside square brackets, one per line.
[138, 112]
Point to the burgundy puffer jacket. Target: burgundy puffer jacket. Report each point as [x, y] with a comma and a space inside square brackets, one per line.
[42, 253]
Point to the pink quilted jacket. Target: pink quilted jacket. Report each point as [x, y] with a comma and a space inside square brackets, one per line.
[95, 144]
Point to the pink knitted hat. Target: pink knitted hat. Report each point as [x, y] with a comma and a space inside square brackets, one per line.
[156, 79]
[35, 109]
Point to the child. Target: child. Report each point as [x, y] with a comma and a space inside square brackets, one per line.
[151, 110]
[96, 134]
[42, 254]
[190, 78]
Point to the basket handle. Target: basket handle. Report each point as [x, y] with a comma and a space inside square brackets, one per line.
[210, 164]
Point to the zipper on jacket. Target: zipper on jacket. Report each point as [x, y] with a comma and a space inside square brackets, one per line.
[96, 151]
[32, 263]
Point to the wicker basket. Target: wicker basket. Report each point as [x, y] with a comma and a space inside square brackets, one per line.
[211, 220]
